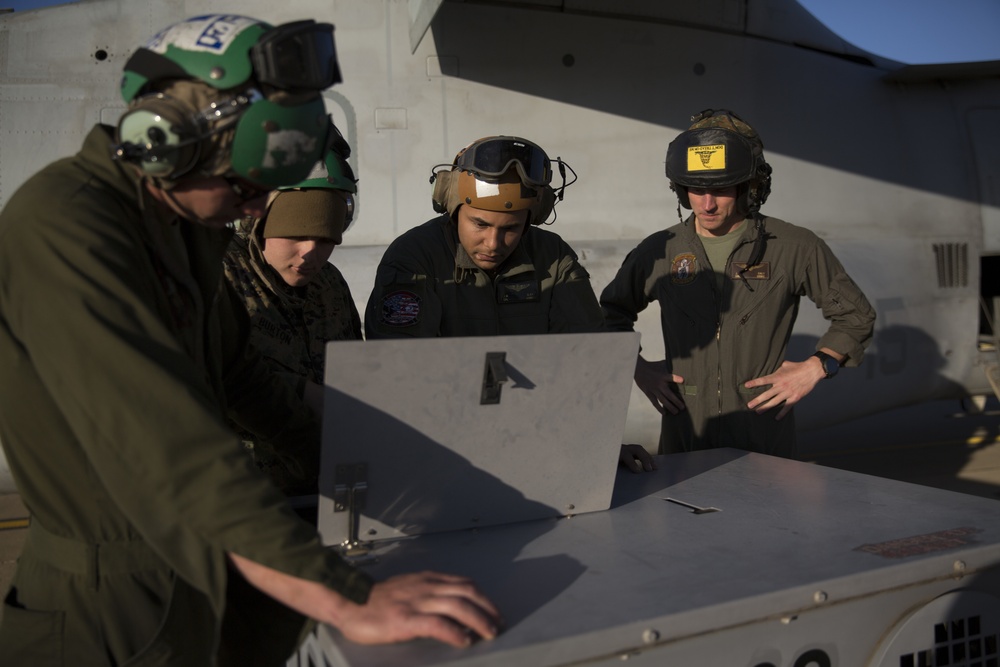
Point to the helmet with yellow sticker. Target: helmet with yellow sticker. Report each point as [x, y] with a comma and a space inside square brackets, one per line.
[720, 150]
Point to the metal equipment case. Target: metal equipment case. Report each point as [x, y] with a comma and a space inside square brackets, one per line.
[719, 557]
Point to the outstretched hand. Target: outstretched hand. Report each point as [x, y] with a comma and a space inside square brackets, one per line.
[655, 381]
[789, 385]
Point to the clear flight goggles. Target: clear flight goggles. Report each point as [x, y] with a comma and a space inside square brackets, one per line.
[493, 157]
[297, 55]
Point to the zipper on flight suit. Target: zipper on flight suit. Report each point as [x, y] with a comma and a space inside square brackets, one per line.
[718, 329]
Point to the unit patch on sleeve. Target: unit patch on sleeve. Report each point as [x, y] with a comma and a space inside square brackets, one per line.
[683, 269]
[400, 309]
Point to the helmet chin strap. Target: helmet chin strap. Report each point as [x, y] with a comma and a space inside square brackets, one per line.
[168, 197]
[178, 207]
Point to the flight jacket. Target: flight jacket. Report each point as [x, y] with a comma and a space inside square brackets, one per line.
[427, 285]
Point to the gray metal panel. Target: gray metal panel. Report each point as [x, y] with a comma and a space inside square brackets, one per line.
[799, 558]
[421, 14]
[439, 460]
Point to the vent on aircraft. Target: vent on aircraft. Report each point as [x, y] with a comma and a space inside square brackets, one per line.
[959, 629]
[952, 261]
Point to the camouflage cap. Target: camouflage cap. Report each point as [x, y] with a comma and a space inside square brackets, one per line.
[727, 120]
[719, 150]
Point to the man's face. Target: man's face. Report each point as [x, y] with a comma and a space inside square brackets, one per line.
[489, 237]
[715, 210]
[216, 201]
[298, 259]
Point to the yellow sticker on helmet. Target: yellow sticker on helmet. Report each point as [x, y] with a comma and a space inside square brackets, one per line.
[706, 158]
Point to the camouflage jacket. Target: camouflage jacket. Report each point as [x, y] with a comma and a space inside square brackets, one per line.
[290, 329]
[291, 325]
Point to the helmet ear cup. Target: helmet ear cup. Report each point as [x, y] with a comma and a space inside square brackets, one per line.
[543, 210]
[160, 136]
[760, 187]
[682, 194]
[445, 195]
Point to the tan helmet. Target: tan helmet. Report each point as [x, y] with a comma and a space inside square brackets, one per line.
[499, 173]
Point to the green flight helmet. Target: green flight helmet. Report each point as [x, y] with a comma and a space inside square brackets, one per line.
[269, 80]
[333, 172]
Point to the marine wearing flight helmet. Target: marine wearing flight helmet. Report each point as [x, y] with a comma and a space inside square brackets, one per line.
[728, 280]
[485, 267]
[153, 540]
[297, 300]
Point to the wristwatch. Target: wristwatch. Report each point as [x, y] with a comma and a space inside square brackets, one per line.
[830, 365]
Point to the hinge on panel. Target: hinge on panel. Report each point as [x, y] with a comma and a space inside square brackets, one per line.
[494, 375]
[350, 491]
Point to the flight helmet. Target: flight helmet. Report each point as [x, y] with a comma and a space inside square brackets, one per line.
[498, 173]
[257, 112]
[332, 173]
[719, 150]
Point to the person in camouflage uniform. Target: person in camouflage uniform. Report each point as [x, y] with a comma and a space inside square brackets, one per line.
[729, 281]
[297, 300]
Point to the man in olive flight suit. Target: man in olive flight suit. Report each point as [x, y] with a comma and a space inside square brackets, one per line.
[153, 538]
[728, 280]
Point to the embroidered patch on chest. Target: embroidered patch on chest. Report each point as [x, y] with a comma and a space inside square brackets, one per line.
[683, 269]
[760, 271]
[517, 292]
[400, 309]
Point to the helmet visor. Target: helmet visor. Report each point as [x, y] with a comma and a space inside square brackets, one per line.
[493, 157]
[299, 55]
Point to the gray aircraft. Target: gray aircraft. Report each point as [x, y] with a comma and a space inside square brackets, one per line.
[743, 561]
[896, 167]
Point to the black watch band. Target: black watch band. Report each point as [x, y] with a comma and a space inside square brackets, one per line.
[830, 365]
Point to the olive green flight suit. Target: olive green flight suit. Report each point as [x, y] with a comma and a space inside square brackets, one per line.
[118, 362]
[717, 341]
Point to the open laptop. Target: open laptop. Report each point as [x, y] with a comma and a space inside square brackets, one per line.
[430, 435]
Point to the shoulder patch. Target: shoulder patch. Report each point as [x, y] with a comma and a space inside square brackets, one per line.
[683, 268]
[400, 309]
